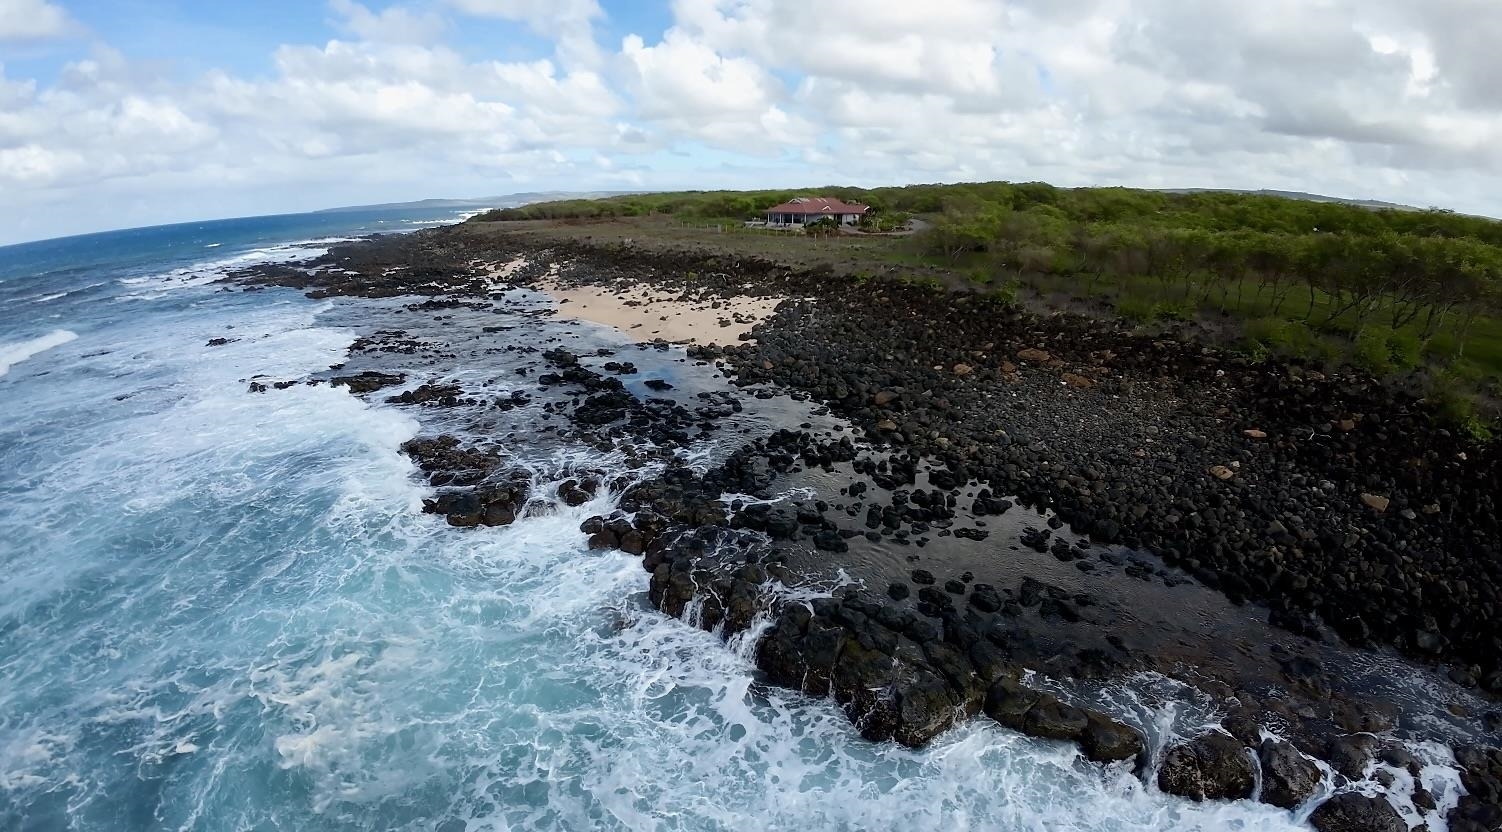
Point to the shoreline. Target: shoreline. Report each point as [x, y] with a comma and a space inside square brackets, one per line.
[646, 314]
[675, 546]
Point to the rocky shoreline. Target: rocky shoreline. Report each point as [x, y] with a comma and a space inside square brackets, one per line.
[1338, 506]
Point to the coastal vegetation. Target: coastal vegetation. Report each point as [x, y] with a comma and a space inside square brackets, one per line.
[1396, 292]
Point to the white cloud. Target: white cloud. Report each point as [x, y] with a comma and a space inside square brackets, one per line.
[394, 24]
[569, 22]
[23, 20]
[1375, 98]
[692, 92]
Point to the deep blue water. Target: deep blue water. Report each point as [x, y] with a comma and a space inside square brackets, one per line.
[221, 610]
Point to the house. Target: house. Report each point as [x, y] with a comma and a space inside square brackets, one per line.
[806, 209]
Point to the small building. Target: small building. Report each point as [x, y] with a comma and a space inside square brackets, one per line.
[806, 209]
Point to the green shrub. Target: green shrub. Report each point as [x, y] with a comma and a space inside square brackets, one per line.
[1255, 350]
[1443, 346]
[1371, 352]
[1266, 331]
[1453, 399]
[1174, 310]
[1404, 349]
[1136, 309]
[1004, 294]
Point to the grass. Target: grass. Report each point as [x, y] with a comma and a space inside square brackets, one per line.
[1298, 328]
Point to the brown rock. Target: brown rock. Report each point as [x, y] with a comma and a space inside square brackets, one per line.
[1008, 367]
[886, 424]
[1077, 380]
[1253, 433]
[963, 369]
[1034, 355]
[885, 397]
[1356, 812]
[1375, 502]
[1347, 425]
[1213, 766]
[1221, 472]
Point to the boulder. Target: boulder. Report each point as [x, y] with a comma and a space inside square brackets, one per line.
[830, 540]
[1288, 777]
[499, 513]
[1355, 812]
[1106, 741]
[1008, 702]
[572, 493]
[1349, 755]
[925, 707]
[1213, 766]
[1375, 502]
[366, 382]
[1054, 720]
[1036, 356]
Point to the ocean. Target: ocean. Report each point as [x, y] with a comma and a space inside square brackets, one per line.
[226, 611]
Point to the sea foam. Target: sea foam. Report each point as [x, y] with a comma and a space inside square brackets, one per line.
[15, 353]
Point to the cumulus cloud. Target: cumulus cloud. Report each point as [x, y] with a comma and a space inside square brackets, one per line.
[693, 92]
[29, 20]
[395, 24]
[1373, 98]
[1336, 95]
[569, 22]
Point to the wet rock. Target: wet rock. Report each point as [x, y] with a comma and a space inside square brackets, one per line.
[1213, 766]
[1349, 755]
[1288, 777]
[985, 598]
[1008, 701]
[633, 542]
[445, 395]
[1054, 720]
[499, 513]
[1105, 740]
[925, 708]
[1355, 812]
[368, 382]
[576, 493]
[830, 540]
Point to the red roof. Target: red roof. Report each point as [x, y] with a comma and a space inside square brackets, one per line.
[817, 205]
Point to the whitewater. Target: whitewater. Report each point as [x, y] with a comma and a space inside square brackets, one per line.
[226, 610]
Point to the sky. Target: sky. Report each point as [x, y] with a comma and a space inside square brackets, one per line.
[120, 113]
